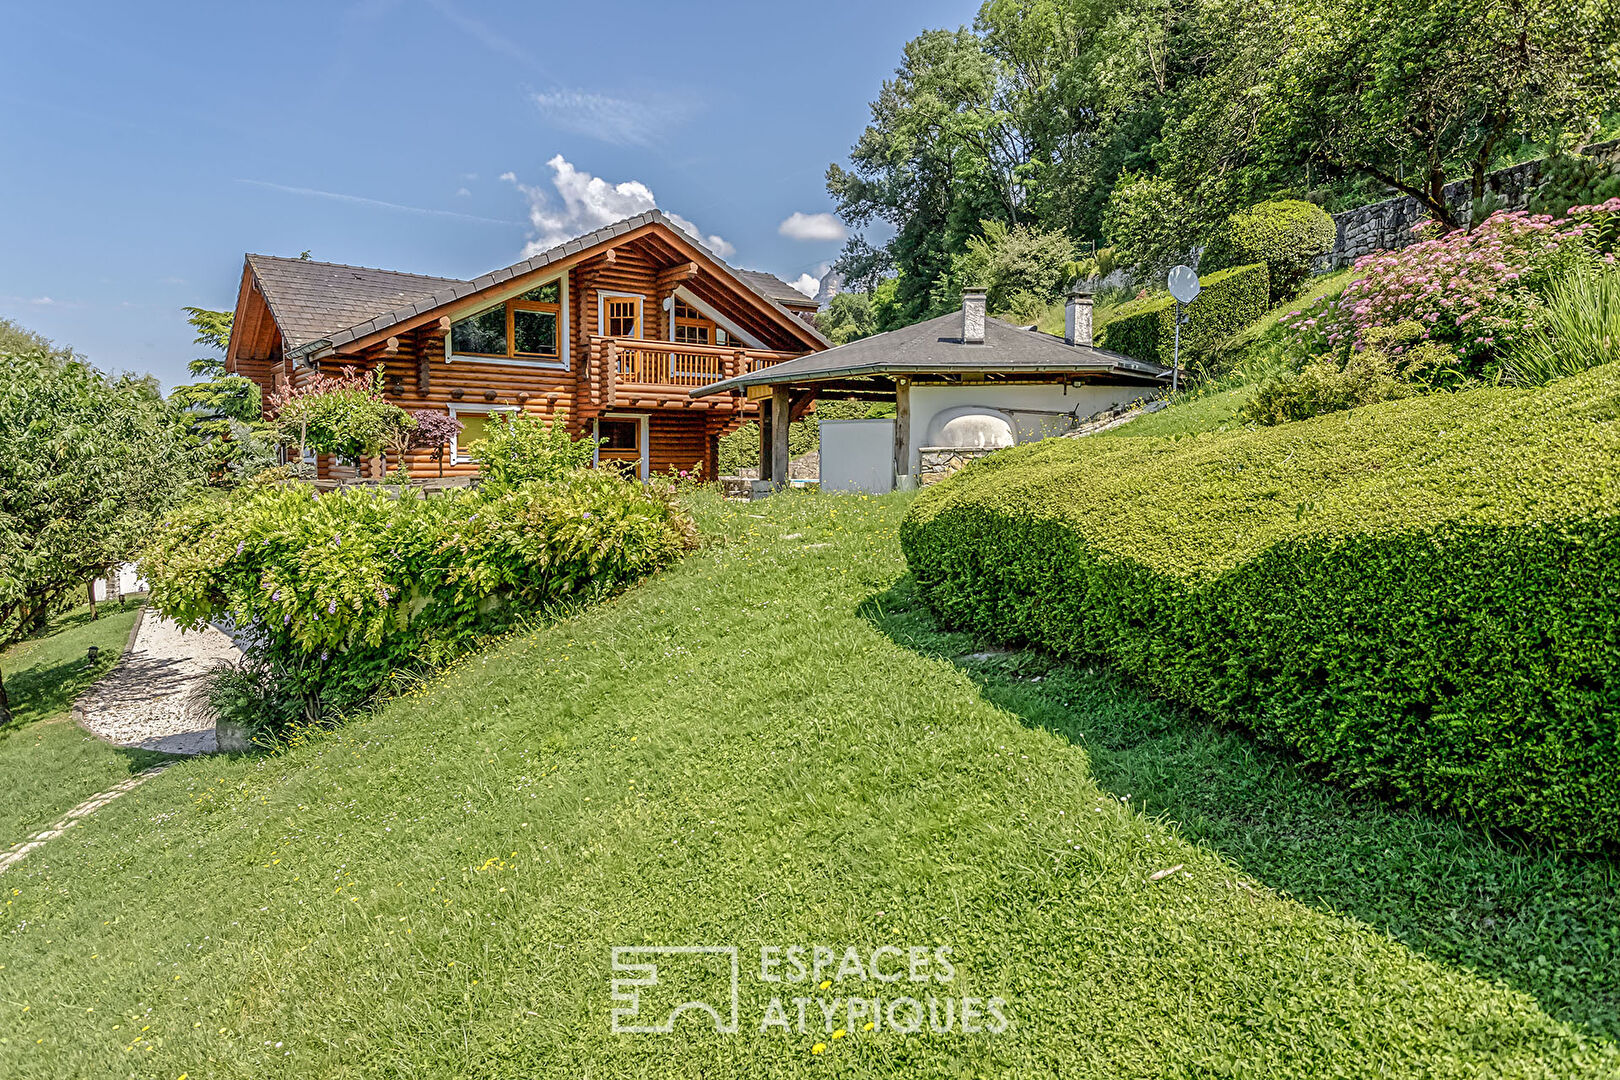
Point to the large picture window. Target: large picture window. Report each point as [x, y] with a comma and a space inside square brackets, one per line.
[525, 327]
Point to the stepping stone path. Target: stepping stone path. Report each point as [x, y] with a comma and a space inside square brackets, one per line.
[95, 802]
[153, 699]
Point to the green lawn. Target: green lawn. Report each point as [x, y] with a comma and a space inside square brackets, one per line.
[771, 744]
[48, 764]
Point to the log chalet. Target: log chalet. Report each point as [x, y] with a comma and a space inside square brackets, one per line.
[611, 330]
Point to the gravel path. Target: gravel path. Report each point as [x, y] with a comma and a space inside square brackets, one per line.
[152, 698]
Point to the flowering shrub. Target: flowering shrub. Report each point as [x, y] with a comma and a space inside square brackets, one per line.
[335, 591]
[1477, 292]
[347, 415]
[519, 447]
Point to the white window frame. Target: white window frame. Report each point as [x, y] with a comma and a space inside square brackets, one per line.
[642, 437]
[489, 300]
[484, 410]
[604, 295]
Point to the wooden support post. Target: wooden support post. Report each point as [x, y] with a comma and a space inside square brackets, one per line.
[781, 407]
[765, 440]
[903, 480]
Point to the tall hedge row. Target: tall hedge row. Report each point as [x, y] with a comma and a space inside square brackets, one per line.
[1422, 598]
[1229, 301]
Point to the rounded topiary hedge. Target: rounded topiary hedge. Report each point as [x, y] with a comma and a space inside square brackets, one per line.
[1289, 236]
[1422, 597]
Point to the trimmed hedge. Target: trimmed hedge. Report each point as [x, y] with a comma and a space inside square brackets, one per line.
[1230, 300]
[1288, 235]
[336, 591]
[1420, 597]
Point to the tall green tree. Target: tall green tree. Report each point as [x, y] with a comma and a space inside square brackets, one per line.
[848, 317]
[1408, 93]
[222, 411]
[1028, 119]
[87, 462]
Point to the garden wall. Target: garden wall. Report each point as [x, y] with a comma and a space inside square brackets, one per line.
[1388, 224]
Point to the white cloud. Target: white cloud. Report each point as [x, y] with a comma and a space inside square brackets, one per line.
[614, 120]
[807, 285]
[590, 202]
[812, 227]
[462, 192]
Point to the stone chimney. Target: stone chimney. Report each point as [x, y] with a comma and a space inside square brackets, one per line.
[1077, 317]
[973, 316]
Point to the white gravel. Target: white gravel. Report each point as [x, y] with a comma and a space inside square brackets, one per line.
[153, 699]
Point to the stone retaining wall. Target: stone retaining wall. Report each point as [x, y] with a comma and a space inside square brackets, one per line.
[938, 462]
[1387, 225]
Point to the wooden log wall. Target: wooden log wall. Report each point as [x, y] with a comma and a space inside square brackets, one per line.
[682, 433]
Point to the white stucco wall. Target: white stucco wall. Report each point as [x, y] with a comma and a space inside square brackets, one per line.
[1011, 399]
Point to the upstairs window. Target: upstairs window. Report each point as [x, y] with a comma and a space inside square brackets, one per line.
[692, 327]
[621, 316]
[523, 328]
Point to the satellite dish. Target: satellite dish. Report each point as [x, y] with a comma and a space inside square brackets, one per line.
[1184, 284]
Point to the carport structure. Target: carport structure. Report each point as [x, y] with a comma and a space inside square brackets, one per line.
[951, 361]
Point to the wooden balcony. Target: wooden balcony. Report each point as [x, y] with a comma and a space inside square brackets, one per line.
[635, 372]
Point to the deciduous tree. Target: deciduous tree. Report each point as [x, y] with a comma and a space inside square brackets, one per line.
[87, 463]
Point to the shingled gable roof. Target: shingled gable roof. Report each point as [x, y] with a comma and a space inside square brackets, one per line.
[935, 347]
[773, 287]
[449, 290]
[310, 299]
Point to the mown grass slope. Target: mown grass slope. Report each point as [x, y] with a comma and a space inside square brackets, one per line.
[752, 748]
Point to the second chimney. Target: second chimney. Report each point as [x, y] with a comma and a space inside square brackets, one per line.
[973, 316]
[1077, 317]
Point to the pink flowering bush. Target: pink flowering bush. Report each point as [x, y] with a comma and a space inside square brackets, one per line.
[1476, 292]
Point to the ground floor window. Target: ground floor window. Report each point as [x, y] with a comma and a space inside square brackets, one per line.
[474, 426]
[622, 444]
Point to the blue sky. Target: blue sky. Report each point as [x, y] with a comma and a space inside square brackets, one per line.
[146, 147]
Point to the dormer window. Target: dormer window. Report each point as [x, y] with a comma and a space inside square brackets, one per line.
[525, 327]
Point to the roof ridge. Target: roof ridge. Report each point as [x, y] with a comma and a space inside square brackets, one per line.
[352, 266]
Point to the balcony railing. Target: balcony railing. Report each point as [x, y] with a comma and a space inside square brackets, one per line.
[665, 363]
[665, 368]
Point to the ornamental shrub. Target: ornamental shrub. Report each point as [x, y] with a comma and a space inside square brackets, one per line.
[1230, 300]
[1289, 236]
[1329, 383]
[520, 447]
[1478, 293]
[347, 415]
[1416, 597]
[332, 592]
